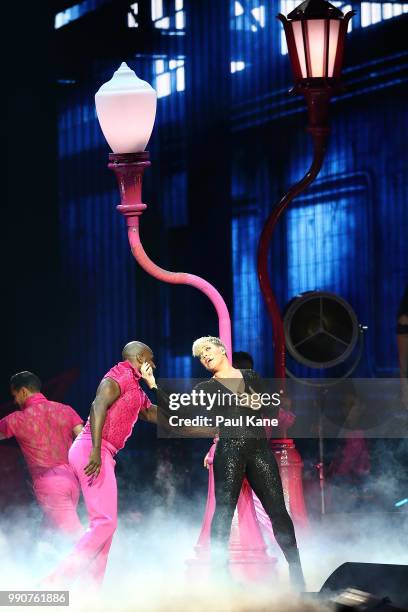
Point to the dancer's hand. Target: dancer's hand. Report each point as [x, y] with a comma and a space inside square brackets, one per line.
[94, 463]
[146, 371]
[206, 461]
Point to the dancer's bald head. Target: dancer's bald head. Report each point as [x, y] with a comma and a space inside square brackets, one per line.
[137, 352]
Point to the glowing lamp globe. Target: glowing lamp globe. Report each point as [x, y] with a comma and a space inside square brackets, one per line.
[315, 34]
[126, 109]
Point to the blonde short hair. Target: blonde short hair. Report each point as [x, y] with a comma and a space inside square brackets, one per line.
[198, 344]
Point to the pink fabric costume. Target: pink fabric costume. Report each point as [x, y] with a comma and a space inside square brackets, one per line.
[90, 555]
[247, 500]
[43, 430]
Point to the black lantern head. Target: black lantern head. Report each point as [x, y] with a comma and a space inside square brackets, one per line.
[315, 34]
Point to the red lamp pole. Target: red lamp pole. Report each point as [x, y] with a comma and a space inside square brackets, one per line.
[319, 135]
[129, 169]
[315, 34]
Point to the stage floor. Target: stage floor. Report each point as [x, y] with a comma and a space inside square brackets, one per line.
[146, 569]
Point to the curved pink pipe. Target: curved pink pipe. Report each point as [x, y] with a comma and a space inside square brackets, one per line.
[129, 169]
[182, 278]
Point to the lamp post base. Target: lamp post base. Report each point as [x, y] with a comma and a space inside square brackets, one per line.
[242, 568]
[290, 467]
[248, 558]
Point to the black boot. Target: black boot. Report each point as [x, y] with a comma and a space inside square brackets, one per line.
[297, 580]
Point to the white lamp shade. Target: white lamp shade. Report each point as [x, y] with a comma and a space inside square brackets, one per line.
[126, 109]
[311, 46]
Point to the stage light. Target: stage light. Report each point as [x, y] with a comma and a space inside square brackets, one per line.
[354, 599]
[401, 502]
[367, 586]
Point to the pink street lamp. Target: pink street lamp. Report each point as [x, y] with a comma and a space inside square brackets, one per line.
[126, 109]
[315, 33]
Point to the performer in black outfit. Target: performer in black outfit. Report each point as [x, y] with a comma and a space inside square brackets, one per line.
[243, 451]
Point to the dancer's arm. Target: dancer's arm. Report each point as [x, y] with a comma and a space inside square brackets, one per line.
[77, 430]
[160, 416]
[152, 413]
[209, 458]
[5, 430]
[77, 423]
[107, 393]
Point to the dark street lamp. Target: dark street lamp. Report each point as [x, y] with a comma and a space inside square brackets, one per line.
[315, 33]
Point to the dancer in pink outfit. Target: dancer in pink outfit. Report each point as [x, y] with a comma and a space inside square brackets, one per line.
[118, 404]
[44, 431]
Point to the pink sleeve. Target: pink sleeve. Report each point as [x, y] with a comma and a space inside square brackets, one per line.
[75, 418]
[121, 379]
[146, 403]
[5, 428]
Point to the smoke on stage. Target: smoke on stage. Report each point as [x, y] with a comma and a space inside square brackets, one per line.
[158, 529]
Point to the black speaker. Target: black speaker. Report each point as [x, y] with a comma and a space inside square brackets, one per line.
[380, 579]
[321, 329]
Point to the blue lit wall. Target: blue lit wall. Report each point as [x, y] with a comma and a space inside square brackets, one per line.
[358, 219]
[247, 319]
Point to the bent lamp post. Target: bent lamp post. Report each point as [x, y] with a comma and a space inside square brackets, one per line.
[126, 109]
[315, 33]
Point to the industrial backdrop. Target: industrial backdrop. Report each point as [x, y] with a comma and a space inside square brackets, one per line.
[228, 141]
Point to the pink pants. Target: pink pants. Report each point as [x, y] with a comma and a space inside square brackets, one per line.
[57, 492]
[90, 555]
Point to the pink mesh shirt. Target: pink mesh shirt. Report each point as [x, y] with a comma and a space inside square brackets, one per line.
[123, 414]
[43, 430]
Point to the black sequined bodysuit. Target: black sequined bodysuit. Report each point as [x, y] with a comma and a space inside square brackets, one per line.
[251, 456]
